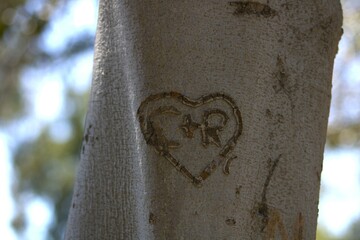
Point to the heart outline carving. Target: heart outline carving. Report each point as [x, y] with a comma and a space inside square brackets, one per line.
[154, 137]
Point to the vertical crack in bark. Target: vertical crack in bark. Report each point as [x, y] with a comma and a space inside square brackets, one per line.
[263, 207]
[281, 74]
[299, 228]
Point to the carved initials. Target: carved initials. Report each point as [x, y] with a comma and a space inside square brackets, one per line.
[210, 132]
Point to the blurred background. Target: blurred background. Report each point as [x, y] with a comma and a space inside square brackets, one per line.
[46, 53]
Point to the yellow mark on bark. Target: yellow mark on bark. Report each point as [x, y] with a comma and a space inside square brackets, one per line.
[275, 226]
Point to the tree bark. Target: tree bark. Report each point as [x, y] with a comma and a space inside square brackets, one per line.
[207, 120]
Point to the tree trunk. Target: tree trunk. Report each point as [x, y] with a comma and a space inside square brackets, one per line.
[207, 120]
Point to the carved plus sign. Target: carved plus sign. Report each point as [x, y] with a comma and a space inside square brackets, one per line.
[189, 126]
[209, 134]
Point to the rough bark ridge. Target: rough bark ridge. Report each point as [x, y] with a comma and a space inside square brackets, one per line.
[207, 120]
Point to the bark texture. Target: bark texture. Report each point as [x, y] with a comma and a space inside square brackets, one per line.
[207, 120]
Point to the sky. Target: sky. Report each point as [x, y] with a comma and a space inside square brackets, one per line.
[340, 186]
[340, 194]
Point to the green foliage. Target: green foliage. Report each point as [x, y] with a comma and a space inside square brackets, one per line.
[347, 135]
[322, 234]
[21, 29]
[44, 166]
[354, 232]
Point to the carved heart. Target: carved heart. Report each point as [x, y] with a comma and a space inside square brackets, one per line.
[165, 115]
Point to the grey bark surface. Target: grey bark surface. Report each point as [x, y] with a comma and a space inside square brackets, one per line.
[169, 78]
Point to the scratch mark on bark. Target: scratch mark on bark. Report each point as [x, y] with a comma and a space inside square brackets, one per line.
[152, 218]
[237, 190]
[281, 76]
[230, 221]
[263, 207]
[252, 8]
[299, 228]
